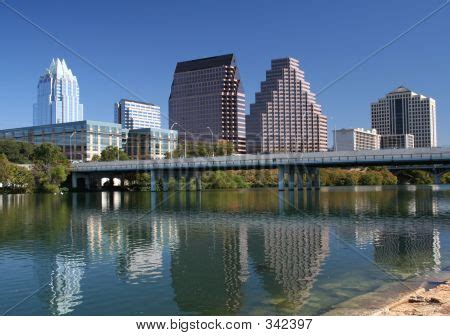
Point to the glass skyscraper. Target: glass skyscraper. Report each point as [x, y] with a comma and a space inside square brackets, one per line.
[58, 96]
[208, 97]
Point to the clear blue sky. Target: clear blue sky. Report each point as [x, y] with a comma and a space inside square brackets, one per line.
[139, 42]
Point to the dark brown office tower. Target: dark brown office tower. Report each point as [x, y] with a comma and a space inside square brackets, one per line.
[285, 116]
[208, 101]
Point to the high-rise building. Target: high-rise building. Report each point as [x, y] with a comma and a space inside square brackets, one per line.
[285, 116]
[58, 96]
[207, 100]
[133, 114]
[404, 112]
[356, 139]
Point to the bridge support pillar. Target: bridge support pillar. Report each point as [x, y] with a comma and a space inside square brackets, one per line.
[74, 181]
[309, 180]
[300, 179]
[87, 182]
[111, 181]
[153, 181]
[198, 181]
[436, 178]
[291, 178]
[317, 178]
[281, 171]
[177, 177]
[187, 181]
[122, 180]
[165, 181]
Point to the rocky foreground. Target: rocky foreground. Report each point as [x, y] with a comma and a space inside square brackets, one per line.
[432, 302]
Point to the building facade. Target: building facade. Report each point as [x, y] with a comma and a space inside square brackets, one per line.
[58, 96]
[151, 143]
[404, 112]
[207, 100]
[133, 114]
[285, 116]
[79, 140]
[392, 141]
[356, 139]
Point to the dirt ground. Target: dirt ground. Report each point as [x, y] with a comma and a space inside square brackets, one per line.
[432, 302]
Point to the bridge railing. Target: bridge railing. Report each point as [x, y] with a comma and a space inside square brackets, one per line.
[387, 157]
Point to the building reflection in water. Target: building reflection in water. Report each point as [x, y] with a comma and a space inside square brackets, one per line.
[408, 253]
[145, 243]
[210, 267]
[396, 222]
[206, 267]
[289, 258]
[65, 284]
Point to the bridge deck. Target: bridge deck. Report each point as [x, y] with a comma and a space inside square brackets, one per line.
[419, 156]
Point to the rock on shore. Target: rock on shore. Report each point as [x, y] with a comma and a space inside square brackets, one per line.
[432, 302]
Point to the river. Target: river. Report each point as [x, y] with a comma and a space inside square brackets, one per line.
[239, 252]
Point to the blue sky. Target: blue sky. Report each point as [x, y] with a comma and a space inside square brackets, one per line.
[139, 42]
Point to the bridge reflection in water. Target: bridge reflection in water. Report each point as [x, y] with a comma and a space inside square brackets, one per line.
[234, 252]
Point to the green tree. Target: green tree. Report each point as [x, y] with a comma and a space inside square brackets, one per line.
[388, 177]
[15, 178]
[95, 158]
[223, 147]
[4, 170]
[16, 151]
[202, 150]
[21, 179]
[50, 167]
[370, 178]
[111, 153]
[139, 181]
[446, 178]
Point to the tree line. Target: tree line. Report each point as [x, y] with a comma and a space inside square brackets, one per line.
[202, 149]
[27, 168]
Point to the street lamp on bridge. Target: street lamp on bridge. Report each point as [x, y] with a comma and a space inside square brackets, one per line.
[171, 139]
[212, 139]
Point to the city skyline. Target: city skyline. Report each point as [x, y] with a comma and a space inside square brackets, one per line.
[420, 71]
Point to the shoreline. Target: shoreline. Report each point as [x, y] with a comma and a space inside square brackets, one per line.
[434, 301]
[393, 299]
[378, 187]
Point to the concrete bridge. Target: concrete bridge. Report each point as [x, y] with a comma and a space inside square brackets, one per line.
[290, 164]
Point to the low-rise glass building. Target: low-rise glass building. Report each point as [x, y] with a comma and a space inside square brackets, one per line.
[79, 140]
[397, 141]
[150, 143]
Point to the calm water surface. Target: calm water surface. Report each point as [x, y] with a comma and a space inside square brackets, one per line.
[215, 252]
